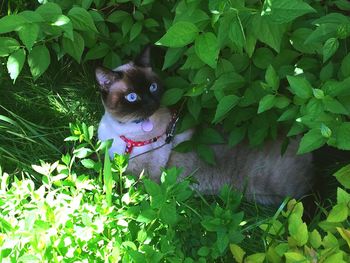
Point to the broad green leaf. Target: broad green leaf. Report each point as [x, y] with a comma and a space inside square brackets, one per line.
[263, 57]
[74, 48]
[292, 257]
[288, 114]
[285, 11]
[236, 136]
[117, 16]
[88, 163]
[237, 252]
[82, 19]
[98, 51]
[135, 30]
[334, 106]
[171, 96]
[207, 49]
[343, 135]
[65, 24]
[38, 61]
[329, 48]
[210, 136]
[178, 35]
[255, 258]
[126, 25]
[281, 102]
[342, 196]
[8, 45]
[312, 140]
[272, 78]
[298, 229]
[111, 60]
[168, 213]
[15, 63]
[49, 11]
[172, 55]
[339, 213]
[345, 66]
[315, 239]
[224, 106]
[206, 153]
[318, 93]
[266, 103]
[28, 34]
[194, 106]
[300, 86]
[11, 23]
[326, 131]
[343, 176]
[268, 32]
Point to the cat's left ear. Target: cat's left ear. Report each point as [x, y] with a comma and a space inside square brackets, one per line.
[144, 58]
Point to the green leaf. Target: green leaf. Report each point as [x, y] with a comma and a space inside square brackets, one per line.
[237, 252]
[11, 23]
[312, 140]
[343, 176]
[111, 60]
[272, 78]
[298, 229]
[268, 32]
[325, 131]
[194, 107]
[300, 87]
[334, 106]
[98, 51]
[135, 30]
[292, 257]
[178, 35]
[210, 136]
[172, 55]
[315, 239]
[343, 135]
[49, 11]
[88, 163]
[224, 106]
[236, 136]
[345, 66]
[117, 16]
[171, 96]
[74, 48]
[207, 49]
[82, 19]
[339, 213]
[168, 213]
[329, 48]
[15, 63]
[262, 57]
[288, 114]
[38, 61]
[342, 196]
[266, 103]
[28, 34]
[64, 23]
[206, 153]
[7, 46]
[285, 11]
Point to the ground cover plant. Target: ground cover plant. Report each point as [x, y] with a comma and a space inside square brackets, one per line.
[256, 67]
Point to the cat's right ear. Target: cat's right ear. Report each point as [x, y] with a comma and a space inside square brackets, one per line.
[105, 77]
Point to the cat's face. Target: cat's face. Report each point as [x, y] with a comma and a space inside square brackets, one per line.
[132, 91]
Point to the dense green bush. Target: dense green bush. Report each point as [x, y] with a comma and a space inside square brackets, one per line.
[255, 67]
[92, 211]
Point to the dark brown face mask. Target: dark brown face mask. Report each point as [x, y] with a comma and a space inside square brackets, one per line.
[132, 92]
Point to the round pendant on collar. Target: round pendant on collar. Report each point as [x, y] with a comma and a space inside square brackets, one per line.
[147, 125]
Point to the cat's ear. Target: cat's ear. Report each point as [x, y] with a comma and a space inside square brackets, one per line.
[105, 77]
[144, 58]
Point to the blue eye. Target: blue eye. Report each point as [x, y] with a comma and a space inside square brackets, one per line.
[153, 87]
[131, 97]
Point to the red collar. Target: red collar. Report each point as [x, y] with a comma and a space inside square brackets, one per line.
[130, 144]
[170, 131]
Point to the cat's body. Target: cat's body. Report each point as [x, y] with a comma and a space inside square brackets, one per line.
[131, 97]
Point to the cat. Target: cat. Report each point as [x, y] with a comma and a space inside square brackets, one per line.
[138, 125]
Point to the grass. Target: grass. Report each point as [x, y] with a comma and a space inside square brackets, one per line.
[35, 117]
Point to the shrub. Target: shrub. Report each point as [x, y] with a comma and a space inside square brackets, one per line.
[255, 67]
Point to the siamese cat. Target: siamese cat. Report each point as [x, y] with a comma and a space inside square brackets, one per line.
[138, 125]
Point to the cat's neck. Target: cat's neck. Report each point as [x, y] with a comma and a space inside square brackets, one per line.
[133, 130]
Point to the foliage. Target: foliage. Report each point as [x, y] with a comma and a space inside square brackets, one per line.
[89, 209]
[74, 216]
[255, 67]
